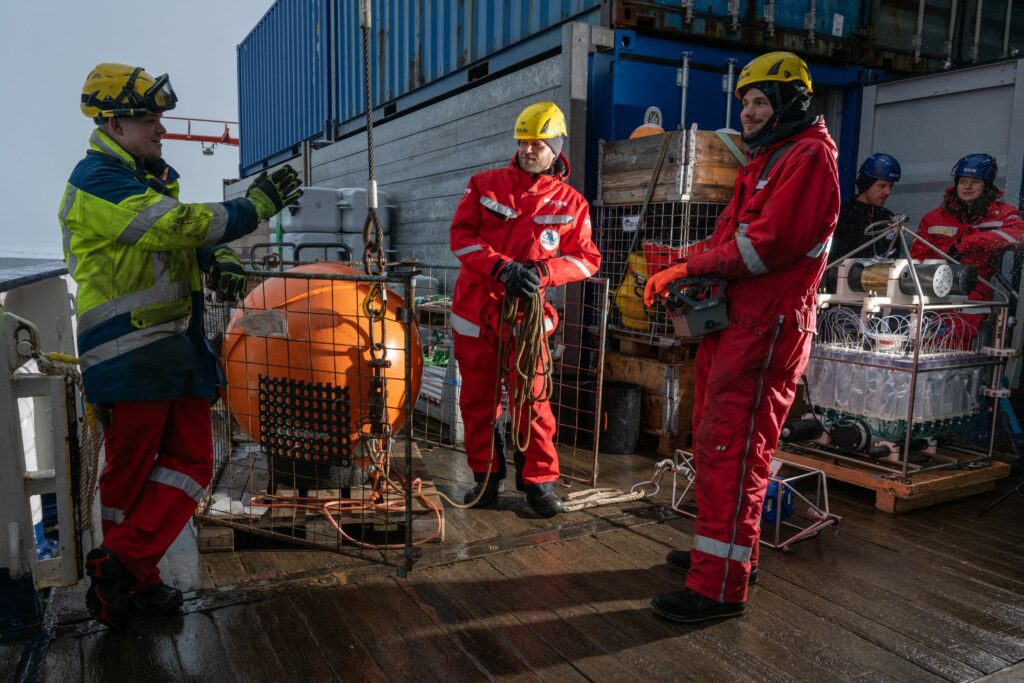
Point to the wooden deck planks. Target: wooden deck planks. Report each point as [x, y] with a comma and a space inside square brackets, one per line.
[473, 632]
[932, 595]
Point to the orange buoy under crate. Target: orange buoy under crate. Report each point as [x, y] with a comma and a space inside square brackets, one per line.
[311, 338]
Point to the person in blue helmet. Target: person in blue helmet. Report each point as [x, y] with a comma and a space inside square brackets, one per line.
[875, 180]
[972, 225]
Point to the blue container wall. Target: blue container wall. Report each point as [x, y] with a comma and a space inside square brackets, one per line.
[422, 41]
[641, 72]
[283, 94]
[790, 15]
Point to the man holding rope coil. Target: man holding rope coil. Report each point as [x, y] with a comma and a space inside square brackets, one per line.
[516, 231]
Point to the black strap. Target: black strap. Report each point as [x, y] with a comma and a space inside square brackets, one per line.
[774, 159]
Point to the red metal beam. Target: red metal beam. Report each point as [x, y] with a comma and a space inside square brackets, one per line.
[224, 138]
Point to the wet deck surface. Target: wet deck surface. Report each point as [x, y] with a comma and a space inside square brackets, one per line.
[936, 594]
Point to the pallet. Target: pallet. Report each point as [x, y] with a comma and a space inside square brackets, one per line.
[286, 527]
[925, 488]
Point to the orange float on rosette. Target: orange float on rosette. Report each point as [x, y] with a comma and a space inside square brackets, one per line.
[310, 341]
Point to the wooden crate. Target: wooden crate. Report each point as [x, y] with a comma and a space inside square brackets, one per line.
[925, 488]
[698, 167]
[667, 407]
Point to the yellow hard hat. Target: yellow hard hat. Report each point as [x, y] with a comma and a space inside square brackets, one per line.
[774, 66]
[541, 121]
[118, 90]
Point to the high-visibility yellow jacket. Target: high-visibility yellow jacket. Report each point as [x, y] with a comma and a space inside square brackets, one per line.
[136, 254]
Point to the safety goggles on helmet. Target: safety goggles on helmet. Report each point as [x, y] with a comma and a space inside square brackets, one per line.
[133, 100]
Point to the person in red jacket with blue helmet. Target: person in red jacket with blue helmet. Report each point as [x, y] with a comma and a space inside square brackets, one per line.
[517, 229]
[972, 226]
[771, 245]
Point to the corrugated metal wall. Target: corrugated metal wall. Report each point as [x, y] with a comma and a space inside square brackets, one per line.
[289, 85]
[283, 94]
[423, 162]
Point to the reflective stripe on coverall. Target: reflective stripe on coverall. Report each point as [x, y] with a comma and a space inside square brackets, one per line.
[507, 215]
[136, 254]
[771, 244]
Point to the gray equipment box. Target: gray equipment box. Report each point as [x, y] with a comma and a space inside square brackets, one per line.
[352, 202]
[332, 210]
[316, 211]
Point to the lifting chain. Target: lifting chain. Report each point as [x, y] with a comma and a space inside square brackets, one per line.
[374, 262]
[375, 428]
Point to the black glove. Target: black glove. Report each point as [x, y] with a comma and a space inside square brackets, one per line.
[271, 194]
[227, 275]
[520, 279]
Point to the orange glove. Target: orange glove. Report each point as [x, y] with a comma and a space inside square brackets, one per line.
[658, 283]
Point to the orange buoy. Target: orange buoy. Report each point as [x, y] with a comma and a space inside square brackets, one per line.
[312, 339]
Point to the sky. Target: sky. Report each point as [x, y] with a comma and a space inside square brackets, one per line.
[47, 49]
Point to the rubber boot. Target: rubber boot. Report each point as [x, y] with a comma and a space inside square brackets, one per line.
[160, 600]
[520, 461]
[108, 590]
[543, 499]
[688, 607]
[495, 482]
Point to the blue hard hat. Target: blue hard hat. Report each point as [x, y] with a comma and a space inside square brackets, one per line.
[980, 166]
[881, 166]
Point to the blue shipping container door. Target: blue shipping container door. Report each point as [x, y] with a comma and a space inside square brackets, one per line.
[416, 42]
[283, 88]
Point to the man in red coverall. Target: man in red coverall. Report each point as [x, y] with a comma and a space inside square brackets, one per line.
[516, 230]
[771, 245]
[972, 226]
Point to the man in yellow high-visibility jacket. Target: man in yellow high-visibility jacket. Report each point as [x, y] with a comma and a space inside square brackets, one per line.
[136, 254]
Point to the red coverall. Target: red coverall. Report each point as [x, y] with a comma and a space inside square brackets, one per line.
[507, 215]
[771, 244]
[972, 244]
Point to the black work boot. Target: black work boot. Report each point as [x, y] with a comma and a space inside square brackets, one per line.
[520, 461]
[688, 607]
[543, 499]
[156, 601]
[494, 487]
[494, 481]
[108, 587]
[679, 560]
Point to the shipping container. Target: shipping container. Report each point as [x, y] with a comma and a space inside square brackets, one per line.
[823, 20]
[640, 72]
[283, 93]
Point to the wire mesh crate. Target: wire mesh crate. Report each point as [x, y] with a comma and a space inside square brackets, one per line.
[576, 347]
[322, 370]
[628, 259]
